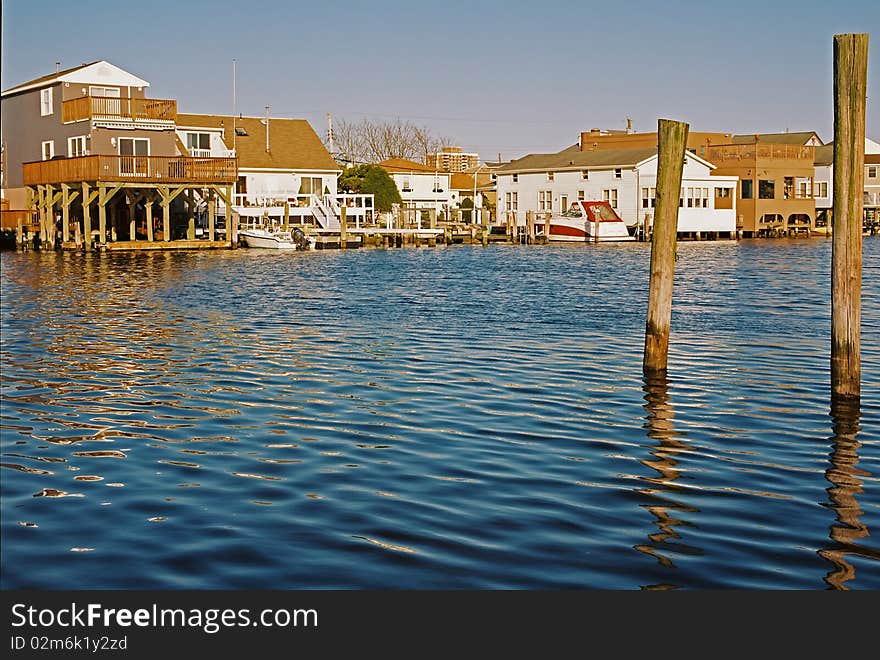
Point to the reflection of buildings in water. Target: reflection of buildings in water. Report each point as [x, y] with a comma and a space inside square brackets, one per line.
[660, 428]
[846, 483]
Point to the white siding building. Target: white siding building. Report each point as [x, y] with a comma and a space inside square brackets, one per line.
[421, 186]
[626, 178]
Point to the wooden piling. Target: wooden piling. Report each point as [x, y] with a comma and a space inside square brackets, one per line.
[850, 84]
[343, 228]
[286, 224]
[672, 139]
[212, 212]
[19, 234]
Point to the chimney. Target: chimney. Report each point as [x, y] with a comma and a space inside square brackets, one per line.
[595, 131]
[629, 126]
[57, 67]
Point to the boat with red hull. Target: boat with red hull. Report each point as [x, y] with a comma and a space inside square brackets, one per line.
[584, 220]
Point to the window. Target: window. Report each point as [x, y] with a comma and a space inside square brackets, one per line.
[545, 200]
[549, 176]
[406, 186]
[581, 196]
[748, 189]
[198, 144]
[46, 107]
[610, 196]
[649, 198]
[242, 185]
[821, 189]
[48, 150]
[76, 146]
[618, 174]
[766, 189]
[690, 198]
[803, 191]
[788, 187]
[872, 172]
[134, 154]
[510, 199]
[723, 192]
[310, 185]
[585, 175]
[563, 203]
[515, 178]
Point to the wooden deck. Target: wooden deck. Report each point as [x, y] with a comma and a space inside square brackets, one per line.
[145, 171]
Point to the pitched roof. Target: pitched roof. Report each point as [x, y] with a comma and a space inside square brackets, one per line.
[573, 158]
[824, 155]
[461, 181]
[404, 165]
[99, 71]
[38, 82]
[801, 138]
[293, 143]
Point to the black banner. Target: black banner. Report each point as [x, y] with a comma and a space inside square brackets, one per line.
[140, 623]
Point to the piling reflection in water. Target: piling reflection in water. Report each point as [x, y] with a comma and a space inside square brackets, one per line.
[666, 541]
[846, 482]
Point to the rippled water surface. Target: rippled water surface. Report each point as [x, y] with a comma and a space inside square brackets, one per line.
[457, 417]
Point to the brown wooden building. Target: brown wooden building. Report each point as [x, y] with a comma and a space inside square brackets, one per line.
[98, 164]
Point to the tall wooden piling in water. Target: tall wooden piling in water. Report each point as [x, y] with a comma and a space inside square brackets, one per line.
[343, 228]
[850, 83]
[672, 139]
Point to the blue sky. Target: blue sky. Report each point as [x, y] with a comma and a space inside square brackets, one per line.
[497, 76]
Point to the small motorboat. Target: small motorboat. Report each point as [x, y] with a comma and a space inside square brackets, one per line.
[276, 239]
[586, 220]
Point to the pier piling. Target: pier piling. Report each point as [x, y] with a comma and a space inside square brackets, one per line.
[850, 84]
[672, 139]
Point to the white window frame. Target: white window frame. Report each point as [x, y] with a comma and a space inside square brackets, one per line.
[581, 195]
[610, 195]
[618, 173]
[51, 145]
[47, 105]
[198, 152]
[585, 175]
[872, 172]
[71, 141]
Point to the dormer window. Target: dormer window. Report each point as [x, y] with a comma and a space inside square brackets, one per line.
[240, 131]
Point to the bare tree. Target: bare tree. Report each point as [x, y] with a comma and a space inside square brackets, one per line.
[369, 141]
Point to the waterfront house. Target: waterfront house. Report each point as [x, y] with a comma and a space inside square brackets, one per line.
[422, 187]
[284, 170]
[625, 178]
[776, 172]
[88, 140]
[824, 184]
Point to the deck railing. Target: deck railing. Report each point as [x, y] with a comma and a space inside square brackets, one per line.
[134, 169]
[728, 153]
[99, 107]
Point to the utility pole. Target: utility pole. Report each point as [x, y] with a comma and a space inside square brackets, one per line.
[330, 132]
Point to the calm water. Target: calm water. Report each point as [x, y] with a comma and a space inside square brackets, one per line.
[434, 418]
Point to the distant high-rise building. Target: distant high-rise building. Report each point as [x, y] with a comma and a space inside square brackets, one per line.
[451, 159]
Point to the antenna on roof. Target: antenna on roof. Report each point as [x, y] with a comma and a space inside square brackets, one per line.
[234, 132]
[330, 131]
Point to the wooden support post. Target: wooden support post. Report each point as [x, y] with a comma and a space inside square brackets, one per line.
[65, 213]
[530, 226]
[166, 220]
[547, 228]
[343, 228]
[850, 84]
[87, 198]
[19, 234]
[672, 139]
[231, 223]
[102, 215]
[212, 212]
[286, 225]
[191, 217]
[148, 211]
[41, 210]
[131, 201]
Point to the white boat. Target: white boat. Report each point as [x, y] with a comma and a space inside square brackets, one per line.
[277, 239]
[584, 219]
